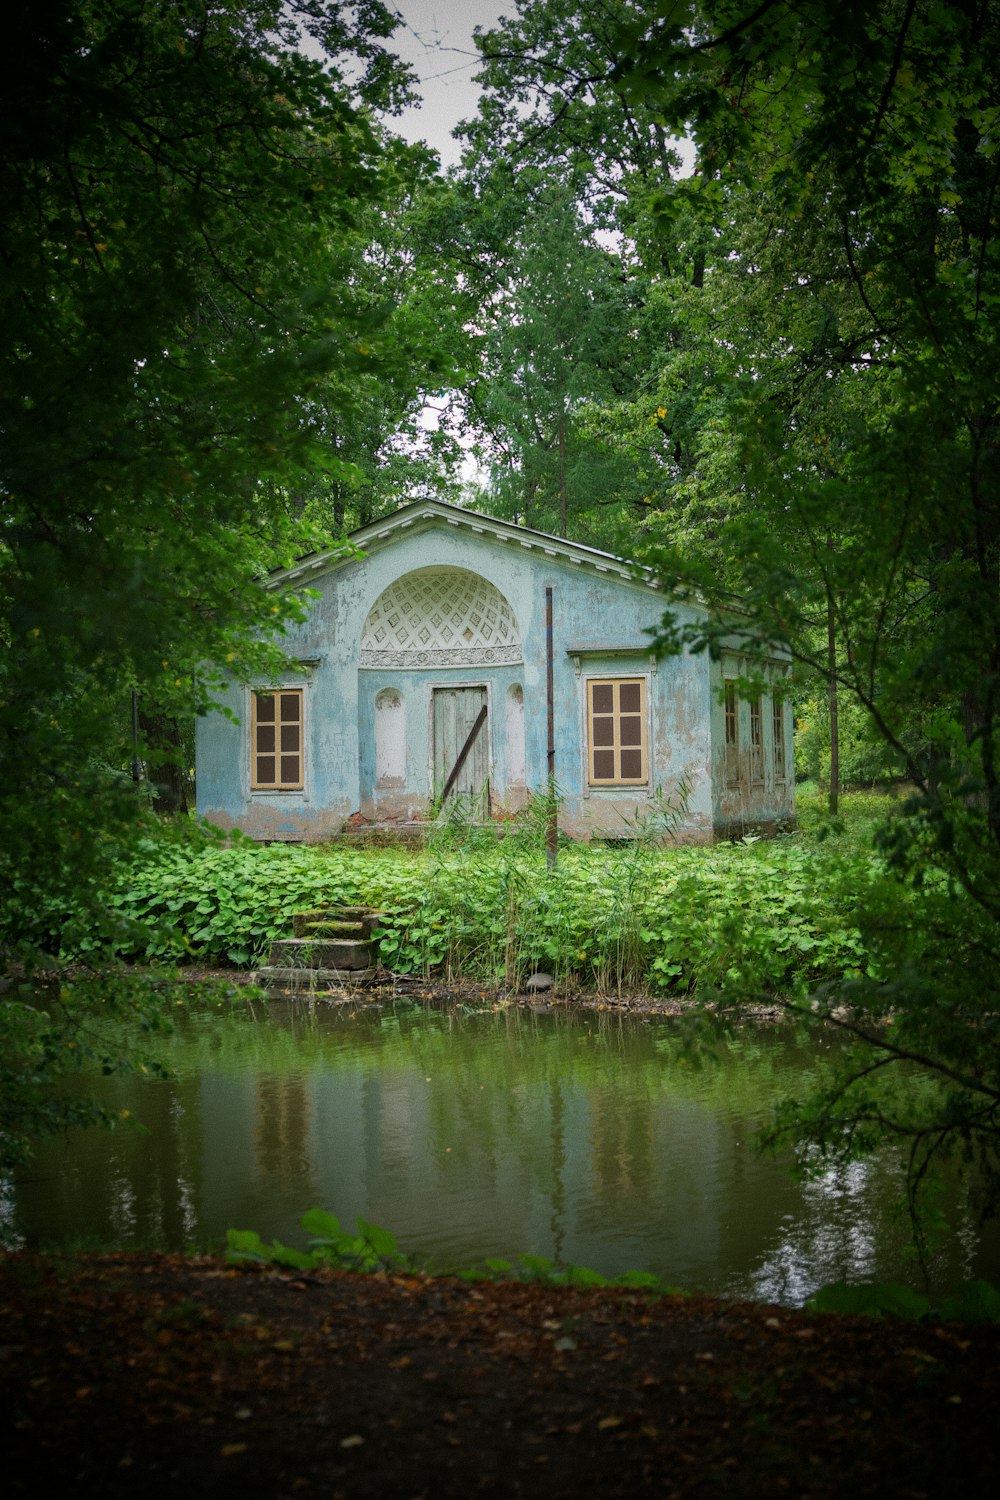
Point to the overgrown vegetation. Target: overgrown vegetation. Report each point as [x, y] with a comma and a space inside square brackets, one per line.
[796, 923]
[758, 917]
[763, 916]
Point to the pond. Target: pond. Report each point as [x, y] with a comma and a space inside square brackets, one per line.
[584, 1137]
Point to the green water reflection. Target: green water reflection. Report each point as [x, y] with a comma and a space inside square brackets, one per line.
[588, 1139]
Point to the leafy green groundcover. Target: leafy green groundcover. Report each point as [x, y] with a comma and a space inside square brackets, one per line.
[376, 1249]
[974, 1302]
[781, 915]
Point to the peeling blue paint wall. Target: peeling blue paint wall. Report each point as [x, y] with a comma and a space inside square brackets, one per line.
[600, 620]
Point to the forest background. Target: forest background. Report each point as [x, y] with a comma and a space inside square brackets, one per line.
[231, 295]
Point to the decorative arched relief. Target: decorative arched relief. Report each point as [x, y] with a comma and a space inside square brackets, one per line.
[390, 739]
[515, 735]
[440, 617]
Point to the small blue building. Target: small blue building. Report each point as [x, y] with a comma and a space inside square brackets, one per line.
[426, 651]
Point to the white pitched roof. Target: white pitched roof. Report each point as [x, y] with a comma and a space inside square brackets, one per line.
[423, 513]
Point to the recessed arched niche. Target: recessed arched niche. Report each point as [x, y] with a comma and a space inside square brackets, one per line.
[390, 740]
[514, 727]
[440, 617]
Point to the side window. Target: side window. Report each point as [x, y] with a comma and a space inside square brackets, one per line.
[756, 741]
[276, 740]
[616, 731]
[778, 736]
[732, 735]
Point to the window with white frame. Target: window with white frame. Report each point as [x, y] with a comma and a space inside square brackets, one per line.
[276, 740]
[616, 731]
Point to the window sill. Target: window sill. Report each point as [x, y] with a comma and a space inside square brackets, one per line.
[616, 786]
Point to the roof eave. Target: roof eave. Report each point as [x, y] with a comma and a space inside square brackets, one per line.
[425, 512]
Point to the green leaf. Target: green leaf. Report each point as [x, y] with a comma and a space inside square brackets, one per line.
[321, 1224]
[245, 1244]
[874, 1299]
[384, 1244]
[974, 1302]
[583, 1276]
[298, 1260]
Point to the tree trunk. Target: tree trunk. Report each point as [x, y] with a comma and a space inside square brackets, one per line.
[562, 474]
[161, 736]
[831, 684]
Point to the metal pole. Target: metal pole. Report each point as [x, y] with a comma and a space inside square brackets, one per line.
[552, 827]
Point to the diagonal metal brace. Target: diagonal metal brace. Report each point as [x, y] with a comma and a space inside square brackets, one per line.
[463, 754]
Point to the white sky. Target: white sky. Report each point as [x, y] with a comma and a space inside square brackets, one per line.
[435, 37]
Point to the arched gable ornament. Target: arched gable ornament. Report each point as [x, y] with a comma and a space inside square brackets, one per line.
[440, 617]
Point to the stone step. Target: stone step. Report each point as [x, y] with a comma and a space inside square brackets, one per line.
[364, 917]
[302, 919]
[319, 953]
[357, 930]
[276, 979]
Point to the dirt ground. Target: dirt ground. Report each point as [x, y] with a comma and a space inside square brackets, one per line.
[145, 1375]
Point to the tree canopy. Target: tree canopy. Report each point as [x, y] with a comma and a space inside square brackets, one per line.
[189, 209]
[194, 319]
[815, 419]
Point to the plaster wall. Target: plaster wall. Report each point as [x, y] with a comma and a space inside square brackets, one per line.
[599, 624]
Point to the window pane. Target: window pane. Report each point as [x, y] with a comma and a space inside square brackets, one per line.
[631, 765]
[277, 738]
[731, 720]
[604, 765]
[617, 734]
